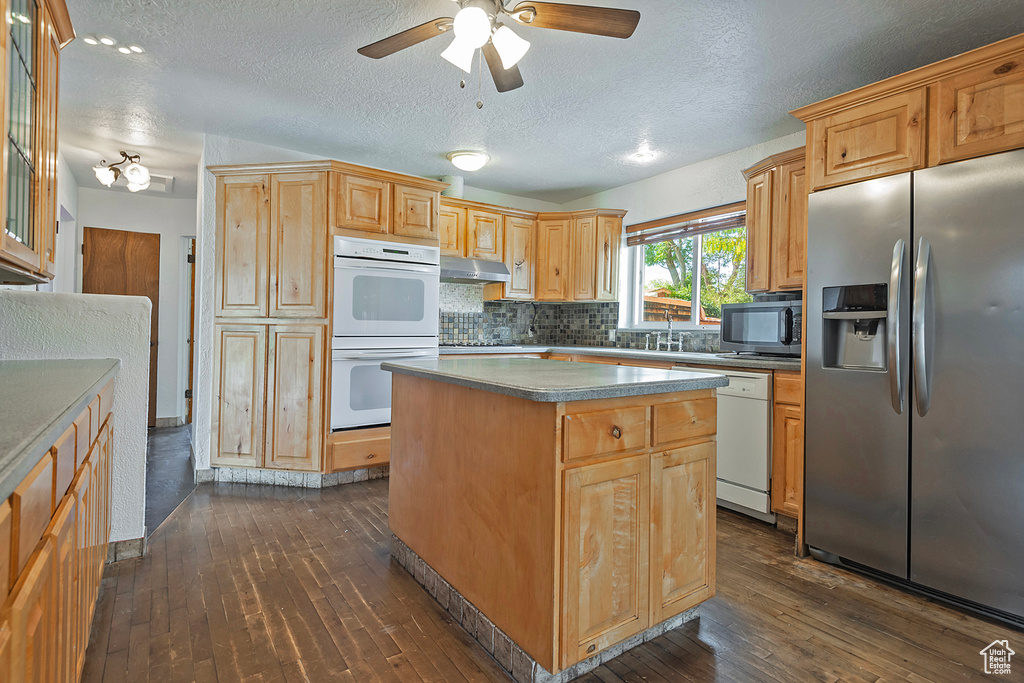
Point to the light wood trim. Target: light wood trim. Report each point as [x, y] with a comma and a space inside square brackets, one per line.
[61, 21]
[688, 216]
[326, 165]
[769, 162]
[457, 202]
[7, 575]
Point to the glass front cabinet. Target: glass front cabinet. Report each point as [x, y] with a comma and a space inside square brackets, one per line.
[35, 31]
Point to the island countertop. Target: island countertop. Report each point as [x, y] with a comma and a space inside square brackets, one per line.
[552, 381]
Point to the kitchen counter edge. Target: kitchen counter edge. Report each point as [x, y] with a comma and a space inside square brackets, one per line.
[690, 357]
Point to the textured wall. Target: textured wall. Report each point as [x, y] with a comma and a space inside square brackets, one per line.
[39, 325]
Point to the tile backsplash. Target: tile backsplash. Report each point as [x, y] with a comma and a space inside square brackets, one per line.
[466, 318]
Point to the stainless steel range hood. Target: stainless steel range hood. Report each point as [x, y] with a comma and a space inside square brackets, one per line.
[472, 270]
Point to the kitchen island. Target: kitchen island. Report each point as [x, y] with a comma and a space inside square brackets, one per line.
[561, 512]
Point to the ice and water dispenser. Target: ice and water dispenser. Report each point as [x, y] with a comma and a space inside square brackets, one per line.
[853, 327]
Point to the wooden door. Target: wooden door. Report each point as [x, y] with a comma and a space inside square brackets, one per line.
[553, 258]
[870, 140]
[126, 264]
[584, 259]
[609, 246]
[682, 529]
[605, 568]
[519, 257]
[789, 228]
[243, 212]
[787, 459]
[362, 203]
[298, 245]
[295, 370]
[485, 235]
[63, 533]
[32, 615]
[759, 216]
[46, 168]
[978, 112]
[239, 383]
[416, 212]
[452, 230]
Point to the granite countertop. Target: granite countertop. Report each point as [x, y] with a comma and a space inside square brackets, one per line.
[552, 381]
[690, 357]
[39, 400]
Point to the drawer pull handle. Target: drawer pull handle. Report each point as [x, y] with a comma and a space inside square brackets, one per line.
[370, 456]
[592, 647]
[616, 432]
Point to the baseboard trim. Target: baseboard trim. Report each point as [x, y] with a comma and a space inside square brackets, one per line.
[168, 422]
[126, 550]
[306, 480]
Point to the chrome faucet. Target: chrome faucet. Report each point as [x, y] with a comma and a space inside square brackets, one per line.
[668, 342]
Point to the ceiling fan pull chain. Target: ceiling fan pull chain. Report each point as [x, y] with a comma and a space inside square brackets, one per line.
[480, 81]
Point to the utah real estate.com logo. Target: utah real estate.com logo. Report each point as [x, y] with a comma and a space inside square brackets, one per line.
[997, 657]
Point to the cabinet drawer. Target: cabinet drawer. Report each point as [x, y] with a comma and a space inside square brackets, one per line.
[353, 455]
[604, 433]
[788, 388]
[63, 463]
[875, 139]
[32, 505]
[683, 421]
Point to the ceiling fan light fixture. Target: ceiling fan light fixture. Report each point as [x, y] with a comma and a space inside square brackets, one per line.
[460, 54]
[511, 48]
[473, 26]
[468, 160]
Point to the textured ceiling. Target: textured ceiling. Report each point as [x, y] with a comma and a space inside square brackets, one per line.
[699, 78]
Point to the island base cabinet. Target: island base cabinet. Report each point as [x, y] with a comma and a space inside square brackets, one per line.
[33, 619]
[682, 529]
[605, 562]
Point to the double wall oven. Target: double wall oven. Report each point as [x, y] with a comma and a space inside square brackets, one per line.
[385, 308]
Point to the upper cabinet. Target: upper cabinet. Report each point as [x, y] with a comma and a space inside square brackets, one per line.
[298, 243]
[243, 212]
[362, 203]
[962, 107]
[452, 230]
[28, 171]
[584, 247]
[776, 222]
[578, 255]
[554, 237]
[416, 212]
[374, 201]
[609, 244]
[485, 231]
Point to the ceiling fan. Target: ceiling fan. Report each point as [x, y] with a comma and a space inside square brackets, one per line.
[476, 25]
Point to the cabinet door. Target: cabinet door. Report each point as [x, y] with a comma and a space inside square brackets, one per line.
[362, 203]
[553, 243]
[759, 216]
[238, 391]
[605, 561]
[452, 230]
[298, 245]
[33, 624]
[416, 212]
[46, 169]
[682, 529]
[978, 112]
[485, 235]
[295, 372]
[584, 259]
[609, 244]
[243, 211]
[5, 649]
[789, 229]
[87, 583]
[62, 533]
[519, 257]
[787, 459]
[879, 138]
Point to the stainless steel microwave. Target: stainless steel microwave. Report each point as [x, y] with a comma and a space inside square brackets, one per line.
[765, 327]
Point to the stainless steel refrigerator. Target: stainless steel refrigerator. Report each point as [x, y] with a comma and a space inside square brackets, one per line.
[914, 463]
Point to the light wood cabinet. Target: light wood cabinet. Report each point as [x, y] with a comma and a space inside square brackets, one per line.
[49, 80]
[553, 259]
[452, 230]
[605, 562]
[978, 112]
[584, 275]
[485, 235]
[787, 445]
[373, 201]
[298, 243]
[416, 212]
[359, 448]
[362, 203]
[242, 262]
[520, 259]
[295, 371]
[62, 533]
[238, 395]
[32, 611]
[609, 248]
[776, 222]
[683, 512]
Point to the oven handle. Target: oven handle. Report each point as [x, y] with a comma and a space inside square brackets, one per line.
[381, 355]
[368, 264]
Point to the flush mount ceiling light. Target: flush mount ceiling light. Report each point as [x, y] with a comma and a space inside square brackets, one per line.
[136, 175]
[476, 27]
[467, 160]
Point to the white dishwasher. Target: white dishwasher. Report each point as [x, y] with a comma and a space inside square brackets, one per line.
[744, 442]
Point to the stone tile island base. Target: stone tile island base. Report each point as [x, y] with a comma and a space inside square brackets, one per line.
[510, 656]
[307, 480]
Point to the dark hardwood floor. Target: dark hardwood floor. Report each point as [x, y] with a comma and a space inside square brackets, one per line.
[253, 583]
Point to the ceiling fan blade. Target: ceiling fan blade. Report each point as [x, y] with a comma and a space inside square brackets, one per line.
[407, 38]
[504, 79]
[599, 21]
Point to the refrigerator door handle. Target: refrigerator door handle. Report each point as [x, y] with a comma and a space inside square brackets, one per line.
[893, 326]
[922, 383]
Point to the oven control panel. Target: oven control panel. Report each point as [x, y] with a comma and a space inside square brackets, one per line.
[354, 247]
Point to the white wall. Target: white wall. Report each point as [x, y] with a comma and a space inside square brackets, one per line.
[512, 201]
[68, 254]
[42, 325]
[174, 220]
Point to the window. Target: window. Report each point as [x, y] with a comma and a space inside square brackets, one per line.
[20, 129]
[687, 269]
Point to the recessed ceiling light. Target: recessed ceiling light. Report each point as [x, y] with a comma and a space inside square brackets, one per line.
[123, 50]
[89, 40]
[108, 41]
[468, 160]
[136, 49]
[644, 155]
